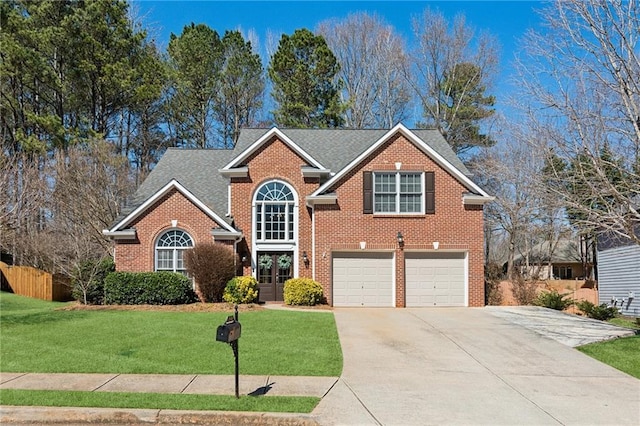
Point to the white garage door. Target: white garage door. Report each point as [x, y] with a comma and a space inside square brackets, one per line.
[435, 279]
[363, 279]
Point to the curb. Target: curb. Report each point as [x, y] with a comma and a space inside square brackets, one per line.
[17, 415]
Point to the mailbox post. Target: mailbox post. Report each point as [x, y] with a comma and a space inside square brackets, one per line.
[229, 332]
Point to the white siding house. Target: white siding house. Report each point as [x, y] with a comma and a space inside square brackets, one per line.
[619, 277]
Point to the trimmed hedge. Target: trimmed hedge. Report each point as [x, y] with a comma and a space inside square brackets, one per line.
[302, 291]
[148, 288]
[241, 290]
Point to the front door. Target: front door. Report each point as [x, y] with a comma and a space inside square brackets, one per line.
[274, 268]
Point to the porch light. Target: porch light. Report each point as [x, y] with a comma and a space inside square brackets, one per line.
[400, 239]
[305, 258]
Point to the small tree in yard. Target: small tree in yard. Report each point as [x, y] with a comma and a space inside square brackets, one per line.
[88, 280]
[524, 290]
[212, 265]
[492, 275]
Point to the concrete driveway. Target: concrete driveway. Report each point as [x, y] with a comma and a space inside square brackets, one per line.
[469, 366]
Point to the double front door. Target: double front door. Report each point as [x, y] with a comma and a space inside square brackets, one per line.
[274, 268]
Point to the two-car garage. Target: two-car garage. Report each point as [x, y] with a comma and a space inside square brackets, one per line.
[367, 279]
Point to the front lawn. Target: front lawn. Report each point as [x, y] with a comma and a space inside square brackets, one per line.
[39, 337]
[626, 322]
[619, 353]
[279, 404]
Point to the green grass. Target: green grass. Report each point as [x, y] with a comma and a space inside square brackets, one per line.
[280, 404]
[625, 322]
[619, 353]
[37, 337]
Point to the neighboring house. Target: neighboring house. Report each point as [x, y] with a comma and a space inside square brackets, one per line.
[378, 217]
[564, 262]
[619, 274]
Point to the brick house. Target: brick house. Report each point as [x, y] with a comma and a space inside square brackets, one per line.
[378, 217]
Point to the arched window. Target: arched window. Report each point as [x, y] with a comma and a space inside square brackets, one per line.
[170, 250]
[274, 212]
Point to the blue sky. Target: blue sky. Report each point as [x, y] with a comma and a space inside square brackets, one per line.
[507, 20]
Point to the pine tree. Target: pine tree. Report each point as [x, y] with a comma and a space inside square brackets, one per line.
[195, 61]
[242, 87]
[302, 71]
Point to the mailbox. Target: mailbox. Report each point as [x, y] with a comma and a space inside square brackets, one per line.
[229, 331]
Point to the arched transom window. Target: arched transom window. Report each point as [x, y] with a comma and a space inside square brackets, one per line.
[170, 250]
[274, 212]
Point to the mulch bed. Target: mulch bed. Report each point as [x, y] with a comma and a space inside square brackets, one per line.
[192, 307]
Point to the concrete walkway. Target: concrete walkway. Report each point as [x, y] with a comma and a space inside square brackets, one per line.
[434, 366]
[568, 329]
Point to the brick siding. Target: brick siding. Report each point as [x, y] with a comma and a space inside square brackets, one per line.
[138, 255]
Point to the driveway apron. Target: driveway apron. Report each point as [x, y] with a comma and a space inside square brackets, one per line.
[466, 366]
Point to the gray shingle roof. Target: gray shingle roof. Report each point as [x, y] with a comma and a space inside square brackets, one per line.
[565, 251]
[197, 169]
[336, 148]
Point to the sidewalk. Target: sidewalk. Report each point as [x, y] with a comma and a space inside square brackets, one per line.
[171, 383]
[264, 386]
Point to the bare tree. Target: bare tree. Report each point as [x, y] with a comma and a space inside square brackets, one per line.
[22, 200]
[580, 81]
[508, 172]
[91, 185]
[452, 67]
[372, 58]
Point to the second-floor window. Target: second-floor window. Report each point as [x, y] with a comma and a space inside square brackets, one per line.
[274, 212]
[398, 192]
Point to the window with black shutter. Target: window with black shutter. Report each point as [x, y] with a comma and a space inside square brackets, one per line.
[398, 192]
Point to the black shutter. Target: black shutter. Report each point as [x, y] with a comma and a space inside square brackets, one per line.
[430, 192]
[367, 193]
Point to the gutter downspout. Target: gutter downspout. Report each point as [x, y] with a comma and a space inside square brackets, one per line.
[313, 243]
[228, 197]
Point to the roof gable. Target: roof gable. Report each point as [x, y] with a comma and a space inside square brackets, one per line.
[173, 184]
[422, 145]
[261, 141]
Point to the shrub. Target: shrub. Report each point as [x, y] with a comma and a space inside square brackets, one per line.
[241, 290]
[87, 285]
[212, 265]
[302, 291]
[148, 288]
[600, 312]
[553, 300]
[492, 276]
[524, 291]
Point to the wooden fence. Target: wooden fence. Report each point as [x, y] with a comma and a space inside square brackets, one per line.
[32, 282]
